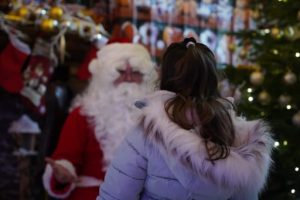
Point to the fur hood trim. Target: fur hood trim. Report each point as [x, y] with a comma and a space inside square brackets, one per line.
[246, 166]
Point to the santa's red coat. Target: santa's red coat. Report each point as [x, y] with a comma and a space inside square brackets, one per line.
[80, 152]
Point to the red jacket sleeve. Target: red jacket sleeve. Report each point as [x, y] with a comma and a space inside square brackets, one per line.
[73, 139]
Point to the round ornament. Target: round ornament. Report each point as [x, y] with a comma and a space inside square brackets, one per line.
[290, 78]
[264, 98]
[257, 78]
[232, 47]
[289, 33]
[275, 32]
[47, 25]
[296, 119]
[23, 12]
[56, 12]
[284, 99]
[243, 54]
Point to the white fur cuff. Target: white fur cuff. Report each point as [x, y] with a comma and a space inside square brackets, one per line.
[48, 175]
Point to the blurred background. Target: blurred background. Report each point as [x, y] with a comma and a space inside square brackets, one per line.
[46, 46]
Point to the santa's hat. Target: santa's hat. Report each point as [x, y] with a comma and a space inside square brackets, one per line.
[83, 72]
[115, 55]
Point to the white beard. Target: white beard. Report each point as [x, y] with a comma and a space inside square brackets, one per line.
[112, 113]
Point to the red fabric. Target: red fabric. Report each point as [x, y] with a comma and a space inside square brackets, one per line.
[77, 144]
[83, 72]
[118, 40]
[11, 62]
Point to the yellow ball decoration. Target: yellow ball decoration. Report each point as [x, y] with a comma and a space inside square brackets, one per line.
[232, 47]
[47, 25]
[23, 12]
[56, 12]
[264, 98]
[257, 78]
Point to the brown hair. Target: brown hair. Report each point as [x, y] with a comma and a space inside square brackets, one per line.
[189, 69]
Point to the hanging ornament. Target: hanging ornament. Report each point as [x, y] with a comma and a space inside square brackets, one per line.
[56, 12]
[296, 119]
[232, 47]
[275, 32]
[47, 25]
[290, 78]
[23, 12]
[255, 14]
[290, 33]
[257, 78]
[284, 99]
[243, 53]
[264, 98]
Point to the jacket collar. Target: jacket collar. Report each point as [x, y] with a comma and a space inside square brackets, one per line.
[247, 164]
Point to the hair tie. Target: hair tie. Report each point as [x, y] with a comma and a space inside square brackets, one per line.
[190, 43]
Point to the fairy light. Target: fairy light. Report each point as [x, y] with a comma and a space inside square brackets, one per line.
[296, 169]
[249, 90]
[250, 99]
[297, 54]
[293, 191]
[288, 107]
[285, 142]
[276, 144]
[275, 51]
[267, 31]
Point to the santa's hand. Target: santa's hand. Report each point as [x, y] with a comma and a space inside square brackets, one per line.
[61, 174]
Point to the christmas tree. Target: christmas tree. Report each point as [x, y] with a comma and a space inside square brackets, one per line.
[268, 82]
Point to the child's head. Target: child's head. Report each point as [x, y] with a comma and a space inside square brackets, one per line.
[189, 68]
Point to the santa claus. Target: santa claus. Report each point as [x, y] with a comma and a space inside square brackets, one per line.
[99, 120]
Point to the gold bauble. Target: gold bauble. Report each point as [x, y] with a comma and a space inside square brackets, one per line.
[257, 78]
[276, 33]
[56, 12]
[243, 54]
[47, 25]
[232, 47]
[23, 12]
[284, 99]
[290, 78]
[296, 119]
[264, 98]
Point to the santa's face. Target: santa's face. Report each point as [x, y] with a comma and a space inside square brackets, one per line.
[128, 75]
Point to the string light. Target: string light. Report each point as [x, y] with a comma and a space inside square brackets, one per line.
[266, 31]
[250, 99]
[297, 54]
[296, 169]
[275, 51]
[293, 191]
[288, 107]
[276, 144]
[285, 143]
[249, 90]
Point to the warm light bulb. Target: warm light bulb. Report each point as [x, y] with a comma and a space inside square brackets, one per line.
[249, 90]
[296, 169]
[276, 144]
[250, 99]
[293, 191]
[285, 143]
[275, 51]
[297, 54]
[288, 107]
[267, 31]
